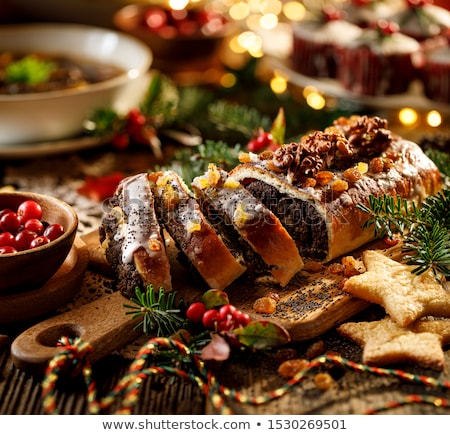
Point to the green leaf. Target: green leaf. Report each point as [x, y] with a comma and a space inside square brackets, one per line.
[214, 298]
[278, 129]
[29, 70]
[262, 334]
[161, 100]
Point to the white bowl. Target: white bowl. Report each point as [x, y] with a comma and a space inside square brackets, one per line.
[55, 115]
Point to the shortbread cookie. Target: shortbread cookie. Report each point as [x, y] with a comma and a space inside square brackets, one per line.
[405, 296]
[386, 343]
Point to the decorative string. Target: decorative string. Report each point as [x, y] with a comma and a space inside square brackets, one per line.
[73, 359]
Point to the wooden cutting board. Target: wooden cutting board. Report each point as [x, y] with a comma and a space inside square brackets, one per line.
[310, 305]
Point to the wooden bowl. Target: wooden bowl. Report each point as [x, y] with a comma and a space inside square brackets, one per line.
[170, 49]
[30, 269]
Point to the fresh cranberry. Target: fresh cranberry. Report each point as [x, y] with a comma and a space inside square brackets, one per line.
[7, 239]
[4, 211]
[29, 210]
[7, 250]
[34, 225]
[53, 231]
[10, 222]
[39, 241]
[24, 239]
[195, 312]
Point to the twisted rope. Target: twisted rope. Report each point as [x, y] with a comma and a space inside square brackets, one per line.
[73, 358]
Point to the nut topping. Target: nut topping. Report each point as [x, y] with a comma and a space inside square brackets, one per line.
[348, 145]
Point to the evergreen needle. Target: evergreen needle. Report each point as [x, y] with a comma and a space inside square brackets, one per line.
[425, 229]
[159, 311]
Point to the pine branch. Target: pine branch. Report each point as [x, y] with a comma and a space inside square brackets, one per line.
[242, 119]
[425, 229]
[159, 311]
[441, 159]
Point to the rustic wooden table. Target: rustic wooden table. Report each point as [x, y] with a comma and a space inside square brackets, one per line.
[254, 374]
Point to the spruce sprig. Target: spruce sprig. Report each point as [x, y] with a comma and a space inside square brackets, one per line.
[240, 118]
[425, 229]
[159, 311]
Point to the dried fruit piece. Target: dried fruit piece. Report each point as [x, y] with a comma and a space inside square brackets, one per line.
[265, 305]
[288, 369]
[323, 381]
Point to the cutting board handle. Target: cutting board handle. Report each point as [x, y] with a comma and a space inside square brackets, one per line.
[102, 323]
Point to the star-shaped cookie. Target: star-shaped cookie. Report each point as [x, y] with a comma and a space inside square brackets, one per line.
[404, 295]
[386, 343]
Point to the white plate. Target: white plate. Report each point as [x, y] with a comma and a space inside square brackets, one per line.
[41, 149]
[414, 98]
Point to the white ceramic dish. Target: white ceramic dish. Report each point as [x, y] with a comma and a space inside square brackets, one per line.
[57, 115]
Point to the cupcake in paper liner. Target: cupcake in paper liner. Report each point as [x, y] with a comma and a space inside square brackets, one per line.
[315, 40]
[423, 21]
[382, 61]
[436, 75]
[365, 12]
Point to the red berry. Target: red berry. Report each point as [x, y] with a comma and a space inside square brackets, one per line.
[260, 142]
[155, 18]
[209, 319]
[195, 312]
[53, 231]
[225, 325]
[241, 318]
[29, 210]
[7, 239]
[39, 241]
[34, 225]
[226, 310]
[120, 141]
[24, 239]
[7, 250]
[10, 222]
[4, 211]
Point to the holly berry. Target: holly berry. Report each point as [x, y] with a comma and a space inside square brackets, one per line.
[209, 318]
[226, 310]
[195, 312]
[387, 27]
[417, 3]
[241, 318]
[262, 141]
[225, 319]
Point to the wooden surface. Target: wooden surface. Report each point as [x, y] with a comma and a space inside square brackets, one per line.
[311, 304]
[58, 290]
[249, 373]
